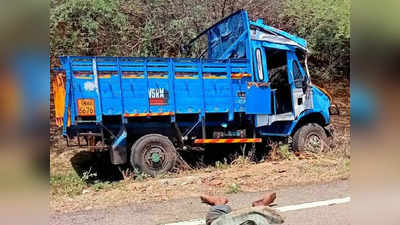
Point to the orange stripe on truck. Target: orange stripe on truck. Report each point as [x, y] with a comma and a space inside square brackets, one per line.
[231, 140]
[240, 75]
[148, 114]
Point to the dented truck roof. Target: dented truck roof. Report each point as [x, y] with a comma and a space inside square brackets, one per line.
[263, 32]
[231, 37]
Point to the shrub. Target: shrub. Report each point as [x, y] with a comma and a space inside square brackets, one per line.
[325, 24]
[159, 28]
[70, 184]
[93, 27]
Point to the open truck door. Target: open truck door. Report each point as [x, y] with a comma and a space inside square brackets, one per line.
[299, 82]
[259, 92]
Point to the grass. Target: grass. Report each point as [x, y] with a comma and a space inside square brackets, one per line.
[71, 184]
[67, 184]
[221, 166]
[280, 152]
[105, 185]
[69, 192]
[233, 188]
[284, 151]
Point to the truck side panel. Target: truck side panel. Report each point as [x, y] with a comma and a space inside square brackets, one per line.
[107, 86]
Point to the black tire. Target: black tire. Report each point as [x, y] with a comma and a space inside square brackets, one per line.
[153, 154]
[310, 137]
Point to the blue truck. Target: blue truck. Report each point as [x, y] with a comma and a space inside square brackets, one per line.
[252, 85]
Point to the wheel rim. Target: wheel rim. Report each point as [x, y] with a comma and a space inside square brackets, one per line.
[155, 157]
[314, 143]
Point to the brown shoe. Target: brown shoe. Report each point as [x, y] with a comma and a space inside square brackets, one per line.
[213, 200]
[266, 201]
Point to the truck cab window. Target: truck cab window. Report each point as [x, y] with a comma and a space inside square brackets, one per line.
[260, 69]
[297, 75]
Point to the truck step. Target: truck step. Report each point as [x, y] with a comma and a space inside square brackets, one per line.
[227, 141]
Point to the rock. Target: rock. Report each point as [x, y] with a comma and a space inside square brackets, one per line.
[164, 182]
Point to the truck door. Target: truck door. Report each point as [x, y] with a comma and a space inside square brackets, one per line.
[258, 100]
[301, 91]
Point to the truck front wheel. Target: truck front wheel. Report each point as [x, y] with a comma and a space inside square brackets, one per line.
[154, 154]
[310, 137]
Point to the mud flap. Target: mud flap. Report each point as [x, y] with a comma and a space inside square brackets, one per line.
[118, 152]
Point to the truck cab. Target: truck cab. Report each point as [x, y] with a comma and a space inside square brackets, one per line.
[289, 97]
[280, 95]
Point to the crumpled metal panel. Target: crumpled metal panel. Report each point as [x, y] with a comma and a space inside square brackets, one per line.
[228, 38]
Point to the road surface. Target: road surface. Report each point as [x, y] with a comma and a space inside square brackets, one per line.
[191, 209]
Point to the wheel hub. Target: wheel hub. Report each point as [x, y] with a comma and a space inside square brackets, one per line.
[154, 156]
[314, 143]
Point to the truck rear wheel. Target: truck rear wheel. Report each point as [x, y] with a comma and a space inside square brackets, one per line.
[154, 154]
[310, 137]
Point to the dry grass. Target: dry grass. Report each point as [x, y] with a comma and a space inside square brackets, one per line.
[241, 175]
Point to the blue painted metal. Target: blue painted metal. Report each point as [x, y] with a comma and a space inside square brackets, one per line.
[258, 99]
[321, 107]
[127, 85]
[120, 140]
[300, 41]
[119, 148]
[226, 39]
[98, 90]
[121, 92]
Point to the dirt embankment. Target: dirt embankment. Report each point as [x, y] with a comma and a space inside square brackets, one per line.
[70, 193]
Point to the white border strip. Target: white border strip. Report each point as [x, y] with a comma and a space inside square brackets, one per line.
[313, 204]
[190, 222]
[280, 209]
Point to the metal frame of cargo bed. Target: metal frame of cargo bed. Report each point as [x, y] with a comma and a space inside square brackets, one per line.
[96, 77]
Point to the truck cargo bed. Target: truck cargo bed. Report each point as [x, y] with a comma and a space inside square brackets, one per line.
[129, 87]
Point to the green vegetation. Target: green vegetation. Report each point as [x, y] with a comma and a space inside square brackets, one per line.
[70, 184]
[325, 24]
[233, 188]
[87, 27]
[159, 28]
[285, 152]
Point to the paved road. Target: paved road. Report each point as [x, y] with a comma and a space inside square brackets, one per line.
[191, 208]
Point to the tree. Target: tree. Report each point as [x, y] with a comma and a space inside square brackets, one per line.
[325, 24]
[91, 27]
